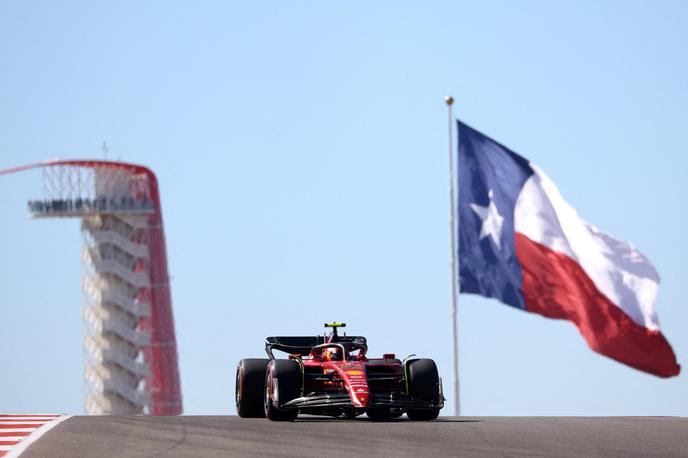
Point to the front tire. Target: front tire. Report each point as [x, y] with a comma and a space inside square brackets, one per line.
[287, 374]
[423, 384]
[248, 392]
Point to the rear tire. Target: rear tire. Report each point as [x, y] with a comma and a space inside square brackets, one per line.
[248, 392]
[287, 373]
[423, 384]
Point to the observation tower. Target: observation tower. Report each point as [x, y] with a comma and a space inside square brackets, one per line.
[131, 352]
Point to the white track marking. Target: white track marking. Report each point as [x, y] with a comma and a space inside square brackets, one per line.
[29, 419]
[23, 422]
[17, 450]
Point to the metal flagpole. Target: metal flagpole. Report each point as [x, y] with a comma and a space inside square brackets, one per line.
[449, 100]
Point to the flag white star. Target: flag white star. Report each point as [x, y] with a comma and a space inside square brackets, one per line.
[492, 220]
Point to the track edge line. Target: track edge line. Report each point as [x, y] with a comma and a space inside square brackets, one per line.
[18, 449]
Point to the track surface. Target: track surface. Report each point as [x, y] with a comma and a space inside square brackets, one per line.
[325, 437]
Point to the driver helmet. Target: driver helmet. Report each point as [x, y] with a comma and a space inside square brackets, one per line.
[333, 354]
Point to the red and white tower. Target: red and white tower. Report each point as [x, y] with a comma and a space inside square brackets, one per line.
[129, 338]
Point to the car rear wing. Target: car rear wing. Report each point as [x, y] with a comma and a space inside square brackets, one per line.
[302, 345]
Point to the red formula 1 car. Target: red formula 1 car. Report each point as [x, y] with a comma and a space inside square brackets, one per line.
[331, 375]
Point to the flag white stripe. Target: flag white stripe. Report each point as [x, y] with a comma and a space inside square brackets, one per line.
[620, 272]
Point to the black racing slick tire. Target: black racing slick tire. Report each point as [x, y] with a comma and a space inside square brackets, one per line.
[250, 376]
[283, 379]
[423, 384]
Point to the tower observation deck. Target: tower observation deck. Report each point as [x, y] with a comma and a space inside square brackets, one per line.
[129, 339]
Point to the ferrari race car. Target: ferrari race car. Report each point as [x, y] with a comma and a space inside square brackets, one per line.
[331, 375]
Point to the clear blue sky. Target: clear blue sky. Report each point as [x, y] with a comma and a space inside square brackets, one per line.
[301, 154]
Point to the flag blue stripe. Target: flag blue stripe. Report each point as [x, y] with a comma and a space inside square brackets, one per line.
[486, 268]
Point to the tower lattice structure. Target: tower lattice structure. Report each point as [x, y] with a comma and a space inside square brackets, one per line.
[129, 339]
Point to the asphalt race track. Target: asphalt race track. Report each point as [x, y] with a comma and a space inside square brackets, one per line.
[201, 436]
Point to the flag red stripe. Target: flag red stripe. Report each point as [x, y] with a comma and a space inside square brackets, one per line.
[9, 442]
[555, 286]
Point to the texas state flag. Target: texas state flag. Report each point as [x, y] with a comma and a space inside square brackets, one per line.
[522, 244]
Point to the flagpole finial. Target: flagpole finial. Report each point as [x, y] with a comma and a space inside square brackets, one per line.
[449, 100]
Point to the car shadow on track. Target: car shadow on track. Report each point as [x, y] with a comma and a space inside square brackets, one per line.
[315, 419]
